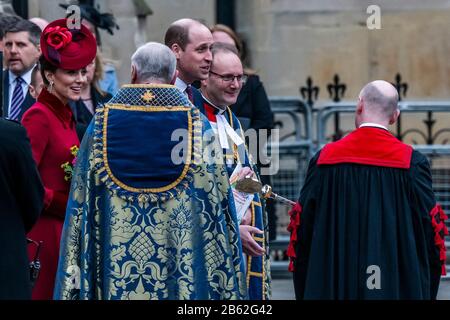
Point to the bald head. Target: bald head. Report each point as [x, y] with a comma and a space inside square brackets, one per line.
[185, 22]
[378, 102]
[178, 32]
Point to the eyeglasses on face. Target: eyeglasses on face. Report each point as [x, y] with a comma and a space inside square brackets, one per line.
[228, 78]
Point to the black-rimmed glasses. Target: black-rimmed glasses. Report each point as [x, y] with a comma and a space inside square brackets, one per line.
[242, 78]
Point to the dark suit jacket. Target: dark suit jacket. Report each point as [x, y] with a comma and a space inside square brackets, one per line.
[252, 106]
[21, 202]
[27, 103]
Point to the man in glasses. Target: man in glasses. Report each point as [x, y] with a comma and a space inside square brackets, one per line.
[218, 92]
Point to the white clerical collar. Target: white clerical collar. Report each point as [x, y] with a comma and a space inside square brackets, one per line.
[372, 124]
[224, 129]
[219, 110]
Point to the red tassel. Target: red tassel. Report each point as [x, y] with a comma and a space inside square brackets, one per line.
[293, 226]
[291, 250]
[440, 231]
[291, 266]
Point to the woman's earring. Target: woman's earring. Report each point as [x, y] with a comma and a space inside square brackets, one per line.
[51, 87]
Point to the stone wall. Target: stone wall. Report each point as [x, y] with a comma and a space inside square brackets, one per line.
[290, 40]
[293, 39]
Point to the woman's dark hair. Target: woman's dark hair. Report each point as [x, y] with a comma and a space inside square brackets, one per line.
[46, 66]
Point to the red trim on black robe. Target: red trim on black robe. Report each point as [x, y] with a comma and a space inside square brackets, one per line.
[293, 229]
[368, 146]
[438, 219]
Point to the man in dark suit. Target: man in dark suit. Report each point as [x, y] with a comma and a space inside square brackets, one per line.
[21, 50]
[21, 202]
[191, 41]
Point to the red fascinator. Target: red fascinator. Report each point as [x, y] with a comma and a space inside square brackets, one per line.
[69, 49]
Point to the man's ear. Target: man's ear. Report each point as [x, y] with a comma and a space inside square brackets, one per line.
[394, 116]
[176, 50]
[32, 91]
[133, 74]
[360, 107]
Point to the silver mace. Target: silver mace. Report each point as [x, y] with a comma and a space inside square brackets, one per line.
[250, 185]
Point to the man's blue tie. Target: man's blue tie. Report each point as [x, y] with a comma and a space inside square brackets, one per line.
[17, 100]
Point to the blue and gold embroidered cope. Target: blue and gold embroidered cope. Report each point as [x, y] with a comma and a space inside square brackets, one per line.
[138, 225]
[258, 276]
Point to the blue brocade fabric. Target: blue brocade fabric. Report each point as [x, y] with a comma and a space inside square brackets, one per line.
[139, 226]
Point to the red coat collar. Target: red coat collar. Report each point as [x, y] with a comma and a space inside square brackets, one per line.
[369, 146]
[61, 111]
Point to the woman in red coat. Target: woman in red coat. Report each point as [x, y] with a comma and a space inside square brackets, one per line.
[51, 128]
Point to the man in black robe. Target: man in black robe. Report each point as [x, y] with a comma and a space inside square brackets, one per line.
[367, 225]
[21, 202]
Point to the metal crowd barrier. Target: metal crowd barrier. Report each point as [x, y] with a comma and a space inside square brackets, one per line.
[295, 148]
[439, 157]
[406, 108]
